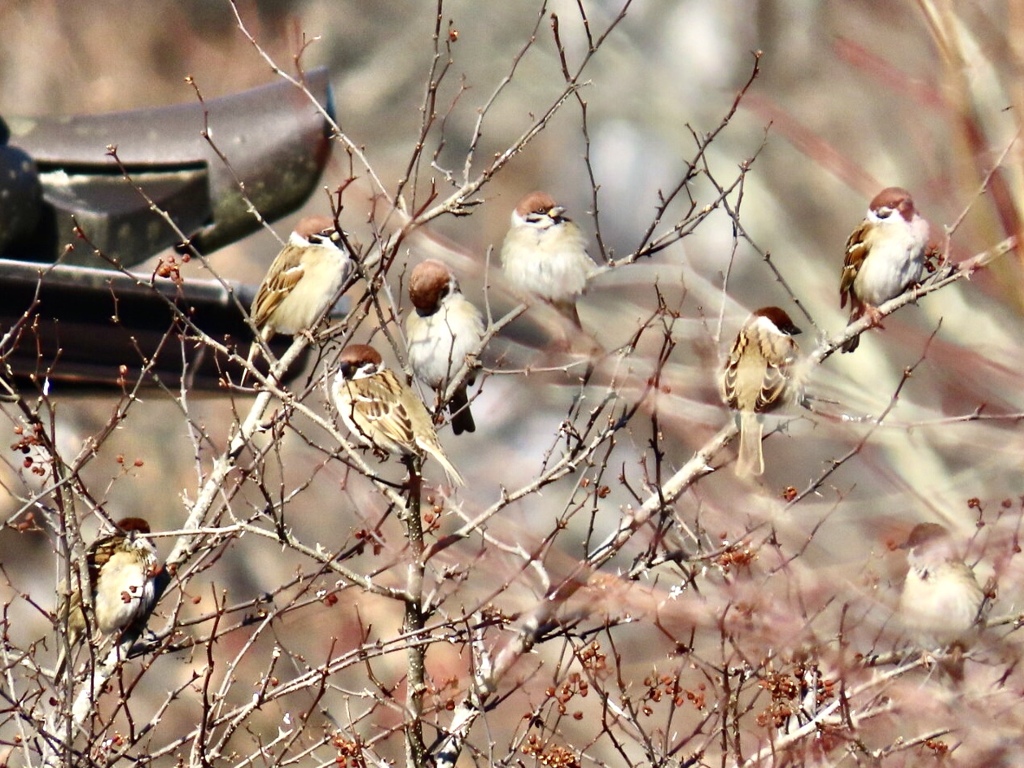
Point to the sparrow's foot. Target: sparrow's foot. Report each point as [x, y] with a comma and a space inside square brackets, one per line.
[874, 316]
[811, 402]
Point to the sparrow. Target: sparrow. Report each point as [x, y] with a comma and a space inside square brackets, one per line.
[884, 256]
[941, 603]
[302, 280]
[757, 379]
[442, 331]
[545, 254]
[382, 411]
[122, 567]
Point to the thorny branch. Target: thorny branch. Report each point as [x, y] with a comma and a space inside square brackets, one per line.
[425, 574]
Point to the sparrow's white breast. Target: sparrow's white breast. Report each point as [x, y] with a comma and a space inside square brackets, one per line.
[551, 263]
[440, 343]
[123, 590]
[323, 272]
[894, 260]
[941, 608]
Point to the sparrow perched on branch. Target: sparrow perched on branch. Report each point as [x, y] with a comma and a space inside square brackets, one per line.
[884, 256]
[442, 332]
[121, 567]
[757, 379]
[941, 604]
[545, 254]
[381, 411]
[302, 280]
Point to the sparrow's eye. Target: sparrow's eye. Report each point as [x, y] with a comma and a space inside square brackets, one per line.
[884, 213]
[347, 370]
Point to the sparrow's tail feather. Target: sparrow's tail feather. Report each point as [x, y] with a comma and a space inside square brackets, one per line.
[750, 461]
[462, 417]
[62, 662]
[953, 665]
[437, 452]
[64, 657]
[581, 341]
[860, 310]
[569, 312]
[266, 334]
[851, 345]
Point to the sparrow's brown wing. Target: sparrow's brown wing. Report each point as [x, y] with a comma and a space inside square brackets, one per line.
[763, 370]
[99, 553]
[390, 416]
[778, 351]
[285, 271]
[731, 374]
[381, 412]
[426, 437]
[856, 250]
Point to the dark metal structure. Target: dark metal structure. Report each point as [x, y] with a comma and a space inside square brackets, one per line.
[78, 317]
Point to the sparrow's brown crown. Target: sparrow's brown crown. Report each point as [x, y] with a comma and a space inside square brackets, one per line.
[429, 283]
[355, 357]
[315, 225]
[539, 203]
[924, 533]
[779, 319]
[893, 199]
[133, 524]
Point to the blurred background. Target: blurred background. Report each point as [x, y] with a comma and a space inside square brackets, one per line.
[851, 96]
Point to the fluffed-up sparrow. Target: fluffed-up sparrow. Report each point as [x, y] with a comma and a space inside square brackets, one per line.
[122, 567]
[381, 411]
[757, 378]
[884, 256]
[302, 280]
[545, 254]
[443, 330]
[941, 603]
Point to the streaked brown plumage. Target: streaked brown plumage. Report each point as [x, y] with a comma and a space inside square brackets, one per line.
[302, 280]
[121, 569]
[884, 255]
[757, 378]
[381, 411]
